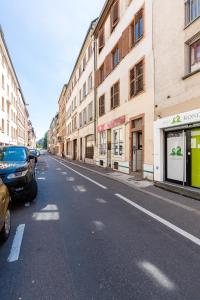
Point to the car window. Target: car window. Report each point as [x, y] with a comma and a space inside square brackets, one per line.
[12, 154]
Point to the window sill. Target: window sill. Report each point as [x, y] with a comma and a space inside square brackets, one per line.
[136, 95]
[186, 26]
[191, 74]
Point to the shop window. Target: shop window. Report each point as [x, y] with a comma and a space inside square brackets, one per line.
[137, 79]
[118, 142]
[195, 56]
[115, 95]
[102, 143]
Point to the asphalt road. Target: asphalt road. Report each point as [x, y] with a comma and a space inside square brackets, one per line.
[83, 239]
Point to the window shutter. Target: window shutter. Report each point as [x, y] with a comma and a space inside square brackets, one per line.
[108, 64]
[125, 40]
[132, 82]
[96, 78]
[114, 14]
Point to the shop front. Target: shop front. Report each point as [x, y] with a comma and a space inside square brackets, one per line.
[177, 149]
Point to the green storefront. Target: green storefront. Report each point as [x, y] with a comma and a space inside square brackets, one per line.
[182, 155]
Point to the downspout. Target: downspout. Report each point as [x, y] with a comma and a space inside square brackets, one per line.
[95, 92]
[154, 79]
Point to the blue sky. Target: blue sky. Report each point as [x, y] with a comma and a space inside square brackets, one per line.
[44, 38]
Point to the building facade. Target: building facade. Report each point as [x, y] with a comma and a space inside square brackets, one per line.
[13, 111]
[53, 135]
[80, 104]
[125, 87]
[62, 122]
[177, 92]
[31, 136]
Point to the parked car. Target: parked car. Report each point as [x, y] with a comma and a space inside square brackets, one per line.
[4, 212]
[17, 171]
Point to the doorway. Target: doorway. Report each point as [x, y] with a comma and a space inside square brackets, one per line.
[137, 144]
[195, 157]
[75, 150]
[81, 149]
[109, 148]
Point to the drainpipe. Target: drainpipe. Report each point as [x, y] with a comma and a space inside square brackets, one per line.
[95, 92]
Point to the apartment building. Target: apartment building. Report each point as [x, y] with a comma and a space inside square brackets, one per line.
[62, 121]
[80, 104]
[13, 112]
[53, 135]
[177, 91]
[124, 81]
[31, 136]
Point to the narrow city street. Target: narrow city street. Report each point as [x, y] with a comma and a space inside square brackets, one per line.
[84, 240]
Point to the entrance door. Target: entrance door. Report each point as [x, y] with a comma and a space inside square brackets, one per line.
[195, 157]
[81, 149]
[75, 150]
[137, 151]
[109, 148]
[176, 156]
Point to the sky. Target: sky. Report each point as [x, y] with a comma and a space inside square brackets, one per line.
[44, 38]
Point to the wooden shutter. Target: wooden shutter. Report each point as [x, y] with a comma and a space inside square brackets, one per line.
[101, 39]
[97, 80]
[108, 64]
[125, 41]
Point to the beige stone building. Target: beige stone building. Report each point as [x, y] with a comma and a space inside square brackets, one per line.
[62, 121]
[53, 135]
[13, 111]
[125, 87]
[80, 104]
[177, 91]
[31, 136]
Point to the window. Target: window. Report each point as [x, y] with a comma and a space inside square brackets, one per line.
[90, 112]
[84, 90]
[80, 120]
[137, 79]
[115, 95]
[8, 90]
[2, 81]
[137, 28]
[90, 83]
[115, 57]
[195, 56]
[80, 96]
[192, 10]
[2, 125]
[118, 142]
[101, 39]
[84, 116]
[3, 107]
[8, 127]
[102, 143]
[114, 16]
[102, 105]
[90, 51]
[84, 63]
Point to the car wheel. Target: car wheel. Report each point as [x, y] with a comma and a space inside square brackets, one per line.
[33, 190]
[4, 234]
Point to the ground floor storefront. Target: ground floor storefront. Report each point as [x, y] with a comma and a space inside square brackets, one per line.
[121, 146]
[177, 149]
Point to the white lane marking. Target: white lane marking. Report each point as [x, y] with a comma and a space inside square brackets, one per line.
[89, 179]
[182, 232]
[16, 246]
[156, 274]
